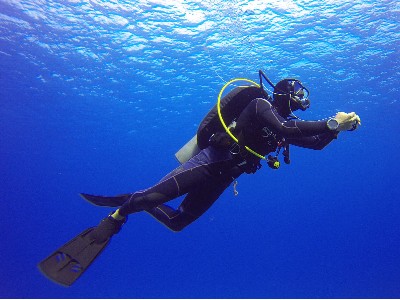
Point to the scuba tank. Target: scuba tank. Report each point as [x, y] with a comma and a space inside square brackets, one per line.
[231, 105]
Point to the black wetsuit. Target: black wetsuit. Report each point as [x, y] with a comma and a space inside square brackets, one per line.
[205, 176]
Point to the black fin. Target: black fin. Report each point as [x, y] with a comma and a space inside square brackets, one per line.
[106, 201]
[69, 262]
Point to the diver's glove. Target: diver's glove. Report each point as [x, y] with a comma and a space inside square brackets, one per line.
[348, 121]
[108, 227]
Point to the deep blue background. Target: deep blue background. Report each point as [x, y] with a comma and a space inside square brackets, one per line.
[96, 97]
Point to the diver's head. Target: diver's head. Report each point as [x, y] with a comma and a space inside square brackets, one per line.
[290, 95]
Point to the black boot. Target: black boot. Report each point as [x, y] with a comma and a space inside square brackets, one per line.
[107, 228]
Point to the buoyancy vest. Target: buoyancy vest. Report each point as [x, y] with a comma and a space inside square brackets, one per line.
[231, 105]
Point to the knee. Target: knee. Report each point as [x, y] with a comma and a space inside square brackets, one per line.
[182, 221]
[176, 227]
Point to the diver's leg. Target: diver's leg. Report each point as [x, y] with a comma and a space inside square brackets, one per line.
[166, 190]
[207, 166]
[195, 204]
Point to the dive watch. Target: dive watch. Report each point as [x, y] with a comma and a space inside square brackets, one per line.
[332, 124]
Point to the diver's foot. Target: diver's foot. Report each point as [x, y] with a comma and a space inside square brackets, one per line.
[107, 228]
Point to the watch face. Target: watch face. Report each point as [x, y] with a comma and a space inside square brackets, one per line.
[332, 124]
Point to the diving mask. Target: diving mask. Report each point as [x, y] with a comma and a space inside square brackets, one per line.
[299, 95]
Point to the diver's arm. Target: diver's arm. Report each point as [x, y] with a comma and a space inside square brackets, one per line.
[316, 142]
[267, 115]
[289, 129]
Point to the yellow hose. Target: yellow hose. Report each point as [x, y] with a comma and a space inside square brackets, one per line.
[222, 120]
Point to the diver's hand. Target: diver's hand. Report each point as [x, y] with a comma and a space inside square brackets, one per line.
[348, 121]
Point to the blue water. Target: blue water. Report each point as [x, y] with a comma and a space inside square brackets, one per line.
[96, 96]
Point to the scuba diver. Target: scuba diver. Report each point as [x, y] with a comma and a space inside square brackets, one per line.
[259, 125]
